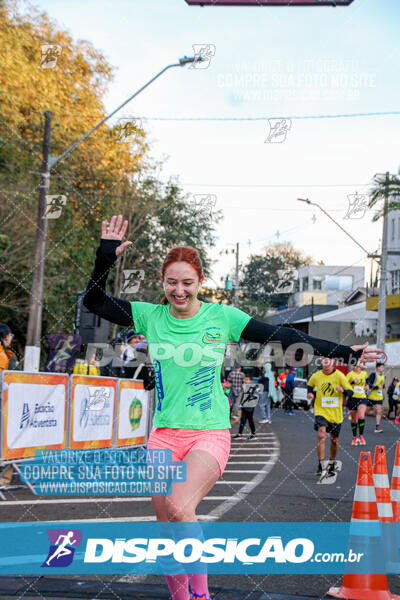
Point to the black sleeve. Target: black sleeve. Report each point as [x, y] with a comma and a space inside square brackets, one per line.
[310, 390]
[95, 299]
[348, 393]
[371, 380]
[258, 331]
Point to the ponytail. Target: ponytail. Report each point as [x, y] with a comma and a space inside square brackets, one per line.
[164, 300]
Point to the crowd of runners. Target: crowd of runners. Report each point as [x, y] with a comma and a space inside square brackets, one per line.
[334, 396]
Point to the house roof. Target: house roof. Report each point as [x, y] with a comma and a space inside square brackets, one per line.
[298, 314]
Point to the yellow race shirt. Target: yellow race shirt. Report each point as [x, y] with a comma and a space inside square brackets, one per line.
[359, 386]
[328, 401]
[377, 394]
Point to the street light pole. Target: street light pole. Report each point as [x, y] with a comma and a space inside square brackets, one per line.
[236, 297]
[336, 223]
[32, 348]
[381, 325]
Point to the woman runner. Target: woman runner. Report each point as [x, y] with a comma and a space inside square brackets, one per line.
[192, 415]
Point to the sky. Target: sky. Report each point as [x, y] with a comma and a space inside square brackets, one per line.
[266, 63]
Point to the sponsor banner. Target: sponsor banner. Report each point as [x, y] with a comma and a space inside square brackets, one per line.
[133, 410]
[215, 548]
[34, 407]
[92, 411]
[102, 472]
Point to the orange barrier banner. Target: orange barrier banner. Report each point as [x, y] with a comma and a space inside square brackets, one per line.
[92, 411]
[33, 413]
[133, 411]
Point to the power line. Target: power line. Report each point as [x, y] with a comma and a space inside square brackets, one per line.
[287, 117]
[275, 185]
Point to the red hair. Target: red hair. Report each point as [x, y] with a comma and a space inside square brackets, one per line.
[186, 254]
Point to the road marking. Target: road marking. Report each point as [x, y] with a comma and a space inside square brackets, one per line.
[221, 481]
[91, 500]
[242, 471]
[119, 519]
[241, 494]
[244, 462]
[248, 455]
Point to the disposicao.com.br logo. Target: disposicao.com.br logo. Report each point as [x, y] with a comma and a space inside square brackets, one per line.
[62, 547]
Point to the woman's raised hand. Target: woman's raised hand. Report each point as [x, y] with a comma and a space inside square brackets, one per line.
[115, 231]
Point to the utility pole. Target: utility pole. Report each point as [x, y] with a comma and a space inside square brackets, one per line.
[381, 325]
[236, 298]
[32, 349]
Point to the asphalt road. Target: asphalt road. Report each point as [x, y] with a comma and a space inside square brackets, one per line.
[269, 479]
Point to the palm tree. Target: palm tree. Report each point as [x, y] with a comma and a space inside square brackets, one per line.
[381, 188]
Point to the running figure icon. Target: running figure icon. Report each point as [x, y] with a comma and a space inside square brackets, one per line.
[62, 549]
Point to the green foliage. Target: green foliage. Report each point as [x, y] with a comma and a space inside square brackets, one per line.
[104, 175]
[260, 277]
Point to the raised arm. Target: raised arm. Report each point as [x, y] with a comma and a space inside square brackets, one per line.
[96, 299]
[258, 331]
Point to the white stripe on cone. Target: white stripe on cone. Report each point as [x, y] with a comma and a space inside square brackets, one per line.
[395, 495]
[381, 480]
[365, 493]
[385, 509]
[354, 519]
[396, 471]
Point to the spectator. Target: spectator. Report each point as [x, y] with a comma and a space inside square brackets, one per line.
[251, 394]
[289, 388]
[268, 395]
[236, 377]
[8, 359]
[393, 401]
[145, 371]
[84, 367]
[130, 356]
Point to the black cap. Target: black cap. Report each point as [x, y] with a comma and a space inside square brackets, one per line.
[130, 334]
[4, 330]
[380, 364]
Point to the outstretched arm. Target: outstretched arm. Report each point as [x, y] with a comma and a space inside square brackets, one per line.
[258, 331]
[96, 299]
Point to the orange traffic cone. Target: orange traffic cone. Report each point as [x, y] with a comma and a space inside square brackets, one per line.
[361, 586]
[395, 489]
[382, 487]
[385, 509]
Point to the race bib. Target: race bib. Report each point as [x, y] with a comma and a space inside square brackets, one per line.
[358, 389]
[329, 401]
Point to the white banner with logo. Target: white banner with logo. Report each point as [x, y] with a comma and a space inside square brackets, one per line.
[33, 411]
[133, 411]
[92, 411]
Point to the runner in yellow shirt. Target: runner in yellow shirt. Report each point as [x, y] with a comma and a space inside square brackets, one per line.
[325, 389]
[376, 382]
[357, 405]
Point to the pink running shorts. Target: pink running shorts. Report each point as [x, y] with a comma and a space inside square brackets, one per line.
[216, 442]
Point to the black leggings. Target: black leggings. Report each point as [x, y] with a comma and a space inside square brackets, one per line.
[288, 404]
[392, 406]
[247, 415]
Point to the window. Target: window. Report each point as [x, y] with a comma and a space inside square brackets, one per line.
[393, 228]
[399, 227]
[395, 282]
[304, 284]
[317, 283]
[339, 282]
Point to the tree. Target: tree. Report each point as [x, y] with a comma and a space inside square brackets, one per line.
[379, 190]
[106, 174]
[260, 277]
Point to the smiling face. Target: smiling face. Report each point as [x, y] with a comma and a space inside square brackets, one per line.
[181, 286]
